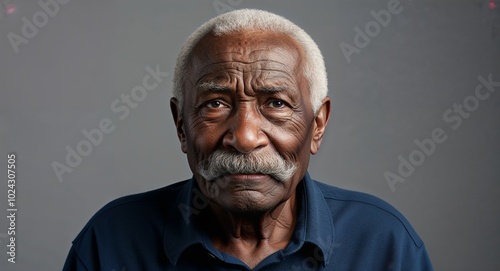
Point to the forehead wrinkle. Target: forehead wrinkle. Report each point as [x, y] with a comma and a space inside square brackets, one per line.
[235, 64]
[244, 46]
[264, 76]
[274, 75]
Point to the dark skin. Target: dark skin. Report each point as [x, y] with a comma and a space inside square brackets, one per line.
[246, 93]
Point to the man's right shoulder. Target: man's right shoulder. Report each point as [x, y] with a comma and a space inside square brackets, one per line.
[145, 206]
[163, 194]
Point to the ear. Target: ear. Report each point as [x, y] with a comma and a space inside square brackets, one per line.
[179, 123]
[319, 127]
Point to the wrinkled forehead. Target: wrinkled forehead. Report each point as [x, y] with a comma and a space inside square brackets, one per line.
[275, 50]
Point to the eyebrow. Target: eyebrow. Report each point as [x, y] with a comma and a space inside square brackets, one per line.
[272, 89]
[212, 86]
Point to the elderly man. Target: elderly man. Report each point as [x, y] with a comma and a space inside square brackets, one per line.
[250, 105]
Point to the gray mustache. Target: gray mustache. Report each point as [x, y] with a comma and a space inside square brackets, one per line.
[221, 163]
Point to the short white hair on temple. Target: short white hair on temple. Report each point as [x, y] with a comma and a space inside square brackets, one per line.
[253, 19]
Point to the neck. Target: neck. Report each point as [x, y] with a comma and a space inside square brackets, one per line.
[252, 236]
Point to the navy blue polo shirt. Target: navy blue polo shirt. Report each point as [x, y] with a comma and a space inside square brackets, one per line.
[163, 229]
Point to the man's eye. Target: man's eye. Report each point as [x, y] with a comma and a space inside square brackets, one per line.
[277, 104]
[214, 104]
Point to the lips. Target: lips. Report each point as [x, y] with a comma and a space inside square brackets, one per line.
[246, 182]
[243, 181]
[249, 177]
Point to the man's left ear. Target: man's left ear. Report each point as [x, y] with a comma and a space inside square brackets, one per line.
[320, 122]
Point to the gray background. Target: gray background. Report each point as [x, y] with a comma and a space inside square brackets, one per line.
[394, 91]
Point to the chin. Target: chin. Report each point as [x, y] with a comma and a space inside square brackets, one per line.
[248, 205]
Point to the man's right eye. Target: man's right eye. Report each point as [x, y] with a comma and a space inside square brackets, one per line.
[214, 109]
[213, 104]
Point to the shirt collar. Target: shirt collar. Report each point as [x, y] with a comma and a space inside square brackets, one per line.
[180, 230]
[314, 222]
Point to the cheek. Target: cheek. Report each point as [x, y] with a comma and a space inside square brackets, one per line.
[202, 137]
[292, 139]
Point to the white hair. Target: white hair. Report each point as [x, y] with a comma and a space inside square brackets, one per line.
[253, 19]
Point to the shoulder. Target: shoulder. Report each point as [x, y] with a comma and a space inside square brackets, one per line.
[352, 210]
[150, 207]
[159, 195]
[138, 220]
[369, 233]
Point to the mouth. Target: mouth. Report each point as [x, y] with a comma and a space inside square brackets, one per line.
[246, 181]
[247, 176]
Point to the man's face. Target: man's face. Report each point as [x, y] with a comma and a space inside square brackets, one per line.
[246, 103]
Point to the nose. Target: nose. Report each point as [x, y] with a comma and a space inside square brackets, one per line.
[245, 132]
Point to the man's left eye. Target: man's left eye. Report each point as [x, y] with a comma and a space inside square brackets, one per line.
[277, 104]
